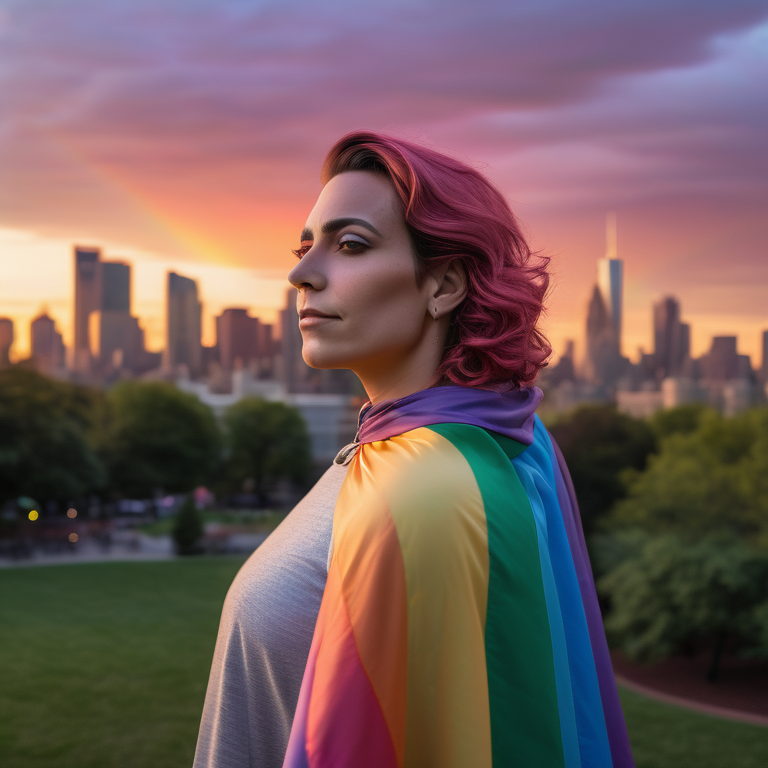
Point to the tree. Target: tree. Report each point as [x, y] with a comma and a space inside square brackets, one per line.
[45, 451]
[681, 419]
[711, 479]
[155, 436]
[266, 442]
[599, 444]
[672, 594]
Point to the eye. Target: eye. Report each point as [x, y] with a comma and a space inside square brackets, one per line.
[352, 244]
[301, 251]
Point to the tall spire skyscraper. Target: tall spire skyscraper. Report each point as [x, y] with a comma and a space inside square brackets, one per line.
[603, 363]
[610, 278]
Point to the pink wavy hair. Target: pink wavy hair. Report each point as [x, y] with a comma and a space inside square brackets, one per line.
[453, 212]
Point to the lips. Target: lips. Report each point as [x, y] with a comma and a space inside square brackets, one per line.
[315, 313]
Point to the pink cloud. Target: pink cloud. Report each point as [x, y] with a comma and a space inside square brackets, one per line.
[224, 109]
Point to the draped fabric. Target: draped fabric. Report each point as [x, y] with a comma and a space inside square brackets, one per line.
[459, 624]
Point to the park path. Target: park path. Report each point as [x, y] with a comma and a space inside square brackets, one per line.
[741, 692]
[136, 547]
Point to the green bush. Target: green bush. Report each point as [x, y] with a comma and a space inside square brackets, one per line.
[188, 529]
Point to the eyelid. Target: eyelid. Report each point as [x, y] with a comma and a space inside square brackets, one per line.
[350, 237]
[347, 237]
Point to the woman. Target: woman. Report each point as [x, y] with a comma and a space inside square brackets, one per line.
[430, 602]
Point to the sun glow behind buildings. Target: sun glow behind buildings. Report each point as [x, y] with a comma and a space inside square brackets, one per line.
[193, 143]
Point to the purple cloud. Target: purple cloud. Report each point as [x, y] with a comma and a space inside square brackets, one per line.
[573, 104]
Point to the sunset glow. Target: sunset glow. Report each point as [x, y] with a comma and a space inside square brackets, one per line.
[190, 137]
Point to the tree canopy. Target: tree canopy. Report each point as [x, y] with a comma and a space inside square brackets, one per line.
[45, 452]
[266, 441]
[671, 594]
[681, 419]
[156, 437]
[599, 444]
[711, 479]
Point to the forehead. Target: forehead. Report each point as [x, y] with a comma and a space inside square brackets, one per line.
[357, 194]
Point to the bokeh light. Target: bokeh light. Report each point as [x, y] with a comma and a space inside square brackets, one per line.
[72, 513]
[73, 537]
[33, 515]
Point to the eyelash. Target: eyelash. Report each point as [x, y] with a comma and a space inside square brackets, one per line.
[300, 252]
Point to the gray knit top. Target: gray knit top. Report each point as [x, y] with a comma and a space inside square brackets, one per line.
[266, 630]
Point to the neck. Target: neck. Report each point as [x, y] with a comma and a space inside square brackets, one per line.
[392, 379]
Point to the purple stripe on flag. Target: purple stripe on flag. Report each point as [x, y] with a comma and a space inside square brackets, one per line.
[618, 739]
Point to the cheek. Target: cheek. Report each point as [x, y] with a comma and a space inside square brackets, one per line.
[385, 299]
[382, 311]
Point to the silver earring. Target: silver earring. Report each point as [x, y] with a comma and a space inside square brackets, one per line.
[434, 312]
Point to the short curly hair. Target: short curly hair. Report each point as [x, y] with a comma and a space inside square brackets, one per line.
[453, 212]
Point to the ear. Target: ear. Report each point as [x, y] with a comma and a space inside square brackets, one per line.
[449, 283]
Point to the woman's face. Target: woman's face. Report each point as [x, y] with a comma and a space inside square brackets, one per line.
[359, 304]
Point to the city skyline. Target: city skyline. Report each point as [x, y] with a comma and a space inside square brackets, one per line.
[189, 137]
[630, 336]
[105, 286]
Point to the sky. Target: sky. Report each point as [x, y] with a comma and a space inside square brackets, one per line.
[189, 135]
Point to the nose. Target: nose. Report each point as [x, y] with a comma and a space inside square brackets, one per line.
[310, 271]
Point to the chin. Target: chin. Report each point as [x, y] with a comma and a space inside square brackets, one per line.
[315, 356]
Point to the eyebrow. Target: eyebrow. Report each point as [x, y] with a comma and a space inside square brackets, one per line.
[334, 225]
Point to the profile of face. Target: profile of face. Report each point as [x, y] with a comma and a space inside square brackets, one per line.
[360, 304]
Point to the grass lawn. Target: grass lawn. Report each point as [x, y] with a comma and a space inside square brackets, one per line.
[104, 665]
[663, 736]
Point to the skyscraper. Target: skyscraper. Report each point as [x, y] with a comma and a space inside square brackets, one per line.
[116, 339]
[106, 335]
[602, 350]
[671, 338]
[115, 287]
[610, 282]
[266, 350]
[610, 277]
[183, 325]
[47, 344]
[87, 300]
[6, 341]
[603, 362]
[763, 370]
[723, 362]
[237, 337]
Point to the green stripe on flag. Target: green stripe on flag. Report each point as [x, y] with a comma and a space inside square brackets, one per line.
[525, 722]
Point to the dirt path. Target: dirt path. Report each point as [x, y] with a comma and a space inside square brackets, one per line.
[740, 693]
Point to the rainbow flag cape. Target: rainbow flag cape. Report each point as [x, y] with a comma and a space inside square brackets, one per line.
[459, 625]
